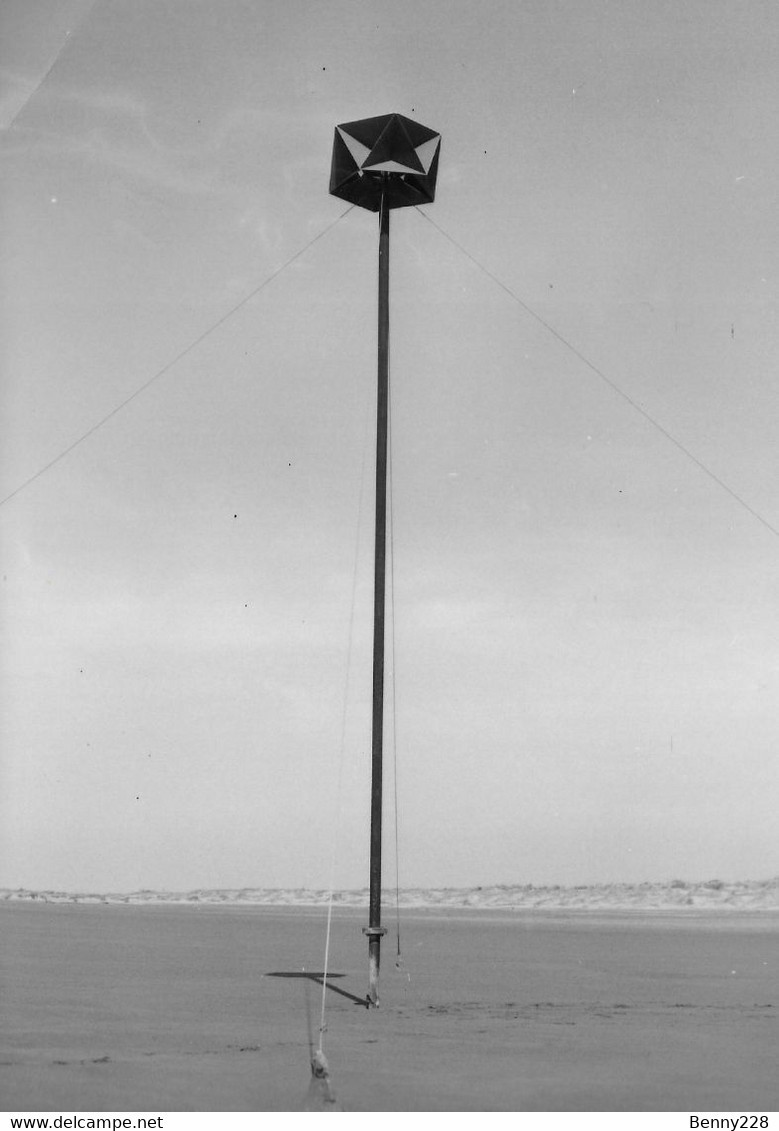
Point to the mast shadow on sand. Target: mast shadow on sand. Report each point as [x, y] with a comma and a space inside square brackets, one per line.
[319, 979]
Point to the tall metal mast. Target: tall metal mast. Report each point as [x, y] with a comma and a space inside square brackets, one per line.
[382, 163]
[374, 930]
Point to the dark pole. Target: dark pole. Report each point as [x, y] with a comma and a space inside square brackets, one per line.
[391, 160]
[374, 931]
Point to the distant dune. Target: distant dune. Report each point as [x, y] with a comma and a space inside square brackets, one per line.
[673, 895]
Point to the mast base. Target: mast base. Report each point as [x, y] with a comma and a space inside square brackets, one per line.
[372, 999]
[374, 935]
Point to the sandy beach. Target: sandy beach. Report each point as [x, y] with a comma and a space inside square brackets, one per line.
[172, 1008]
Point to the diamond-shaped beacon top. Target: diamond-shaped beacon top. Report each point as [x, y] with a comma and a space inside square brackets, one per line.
[389, 154]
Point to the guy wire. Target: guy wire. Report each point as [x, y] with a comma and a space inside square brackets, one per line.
[344, 714]
[391, 495]
[606, 380]
[170, 364]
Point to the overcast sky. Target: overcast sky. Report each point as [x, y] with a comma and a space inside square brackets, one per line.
[585, 621]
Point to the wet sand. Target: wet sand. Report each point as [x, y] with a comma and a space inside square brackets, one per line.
[155, 1008]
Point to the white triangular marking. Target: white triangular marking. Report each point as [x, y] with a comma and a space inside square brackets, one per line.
[392, 167]
[427, 151]
[358, 151]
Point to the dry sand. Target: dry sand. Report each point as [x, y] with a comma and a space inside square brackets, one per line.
[169, 1008]
[668, 895]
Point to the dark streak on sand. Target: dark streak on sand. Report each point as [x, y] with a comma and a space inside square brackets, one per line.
[510, 1011]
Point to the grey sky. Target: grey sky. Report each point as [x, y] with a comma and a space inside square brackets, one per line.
[586, 624]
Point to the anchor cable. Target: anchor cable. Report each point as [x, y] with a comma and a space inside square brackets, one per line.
[179, 357]
[394, 669]
[606, 380]
[344, 717]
